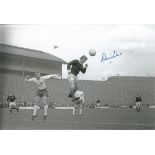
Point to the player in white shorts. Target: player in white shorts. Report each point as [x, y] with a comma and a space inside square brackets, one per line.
[79, 104]
[41, 92]
[138, 103]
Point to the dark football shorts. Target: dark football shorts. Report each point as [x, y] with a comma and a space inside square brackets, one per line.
[42, 93]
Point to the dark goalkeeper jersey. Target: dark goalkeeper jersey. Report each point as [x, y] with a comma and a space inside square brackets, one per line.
[138, 99]
[11, 98]
[76, 67]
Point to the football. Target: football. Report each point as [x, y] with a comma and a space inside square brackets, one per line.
[92, 52]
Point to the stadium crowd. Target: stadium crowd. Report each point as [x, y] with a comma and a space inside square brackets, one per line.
[113, 92]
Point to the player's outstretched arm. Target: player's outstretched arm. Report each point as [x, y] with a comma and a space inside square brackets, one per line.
[56, 76]
[51, 76]
[28, 79]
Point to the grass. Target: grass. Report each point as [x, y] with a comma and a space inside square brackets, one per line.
[92, 119]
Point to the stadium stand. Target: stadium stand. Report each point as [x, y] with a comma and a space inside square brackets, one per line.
[116, 91]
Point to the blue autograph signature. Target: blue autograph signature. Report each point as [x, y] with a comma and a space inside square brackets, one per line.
[114, 55]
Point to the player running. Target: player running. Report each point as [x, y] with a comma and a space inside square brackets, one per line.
[12, 102]
[41, 91]
[74, 67]
[79, 104]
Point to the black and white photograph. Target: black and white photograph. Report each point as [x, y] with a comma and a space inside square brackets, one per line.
[77, 77]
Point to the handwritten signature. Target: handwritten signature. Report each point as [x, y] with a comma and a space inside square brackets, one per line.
[112, 56]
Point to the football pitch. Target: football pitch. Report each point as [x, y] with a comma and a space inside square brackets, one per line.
[91, 119]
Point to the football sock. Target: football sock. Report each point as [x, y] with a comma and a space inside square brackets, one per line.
[45, 109]
[73, 111]
[35, 110]
[80, 111]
